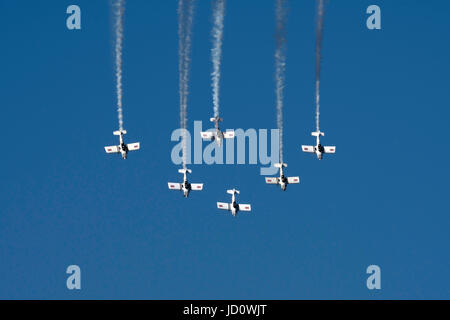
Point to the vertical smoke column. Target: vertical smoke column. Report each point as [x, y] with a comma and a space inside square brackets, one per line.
[319, 35]
[118, 12]
[280, 64]
[216, 51]
[185, 19]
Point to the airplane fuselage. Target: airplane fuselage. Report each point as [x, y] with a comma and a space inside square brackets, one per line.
[123, 147]
[234, 205]
[219, 137]
[283, 180]
[219, 134]
[283, 185]
[123, 150]
[186, 188]
[319, 154]
[234, 208]
[318, 148]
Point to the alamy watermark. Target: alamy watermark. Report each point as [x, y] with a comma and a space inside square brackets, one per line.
[73, 22]
[252, 140]
[74, 280]
[374, 20]
[374, 280]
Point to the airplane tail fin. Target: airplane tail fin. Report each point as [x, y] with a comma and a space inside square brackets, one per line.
[118, 132]
[279, 165]
[317, 133]
[184, 171]
[215, 119]
[233, 191]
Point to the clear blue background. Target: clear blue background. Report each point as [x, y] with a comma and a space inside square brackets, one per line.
[381, 199]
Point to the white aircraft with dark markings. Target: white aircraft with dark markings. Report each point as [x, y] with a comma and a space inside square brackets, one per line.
[185, 186]
[217, 135]
[318, 149]
[234, 207]
[283, 181]
[122, 148]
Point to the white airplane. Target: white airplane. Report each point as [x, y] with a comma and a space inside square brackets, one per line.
[122, 148]
[318, 149]
[282, 180]
[185, 186]
[217, 135]
[234, 207]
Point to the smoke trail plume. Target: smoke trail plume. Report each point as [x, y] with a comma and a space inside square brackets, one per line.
[216, 51]
[185, 19]
[319, 36]
[119, 7]
[280, 64]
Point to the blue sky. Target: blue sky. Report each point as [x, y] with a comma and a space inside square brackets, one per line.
[381, 199]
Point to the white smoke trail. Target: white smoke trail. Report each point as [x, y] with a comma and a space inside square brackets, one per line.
[185, 19]
[119, 10]
[319, 36]
[216, 51]
[280, 65]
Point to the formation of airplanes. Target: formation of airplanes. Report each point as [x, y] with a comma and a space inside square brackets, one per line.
[218, 136]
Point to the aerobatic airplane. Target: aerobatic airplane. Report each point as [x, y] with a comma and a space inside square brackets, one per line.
[122, 148]
[318, 149]
[283, 181]
[185, 186]
[234, 207]
[217, 135]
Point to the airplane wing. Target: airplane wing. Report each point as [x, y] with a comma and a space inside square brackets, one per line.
[223, 205]
[228, 134]
[308, 149]
[293, 180]
[112, 149]
[197, 186]
[330, 149]
[174, 186]
[134, 146]
[271, 180]
[245, 207]
[207, 134]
